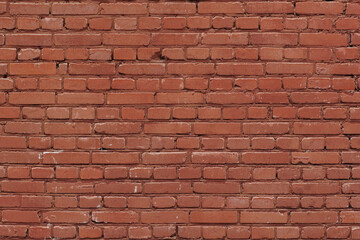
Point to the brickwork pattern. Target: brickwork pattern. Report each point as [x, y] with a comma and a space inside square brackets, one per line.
[179, 119]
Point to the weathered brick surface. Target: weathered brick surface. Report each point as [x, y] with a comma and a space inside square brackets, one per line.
[179, 119]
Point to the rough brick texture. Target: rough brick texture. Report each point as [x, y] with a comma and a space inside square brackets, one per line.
[179, 119]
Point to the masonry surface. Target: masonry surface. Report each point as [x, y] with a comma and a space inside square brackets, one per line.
[179, 120]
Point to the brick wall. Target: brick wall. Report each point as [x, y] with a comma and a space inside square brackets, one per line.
[187, 119]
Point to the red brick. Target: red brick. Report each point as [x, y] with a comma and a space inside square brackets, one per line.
[167, 187]
[29, 8]
[100, 23]
[263, 232]
[213, 217]
[265, 158]
[52, 23]
[10, 201]
[239, 173]
[265, 128]
[7, 54]
[65, 158]
[314, 217]
[142, 69]
[74, 8]
[315, 232]
[197, 53]
[198, 22]
[223, 22]
[115, 158]
[288, 232]
[172, 8]
[351, 217]
[6, 23]
[67, 128]
[295, 23]
[173, 53]
[22, 186]
[77, 39]
[64, 231]
[263, 217]
[268, 24]
[124, 53]
[163, 158]
[264, 173]
[123, 8]
[39, 232]
[223, 38]
[347, 23]
[189, 231]
[350, 188]
[338, 232]
[25, 83]
[274, 7]
[189, 173]
[90, 232]
[12, 142]
[80, 98]
[28, 23]
[318, 39]
[69, 188]
[314, 97]
[66, 217]
[273, 38]
[226, 8]
[115, 173]
[209, 187]
[266, 188]
[139, 232]
[214, 158]
[20, 216]
[95, 69]
[29, 39]
[239, 69]
[131, 39]
[163, 202]
[76, 53]
[289, 68]
[28, 54]
[118, 188]
[130, 98]
[149, 23]
[164, 217]
[167, 128]
[310, 8]
[52, 54]
[13, 230]
[23, 127]
[173, 98]
[317, 128]
[9, 112]
[32, 68]
[36, 201]
[315, 188]
[235, 232]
